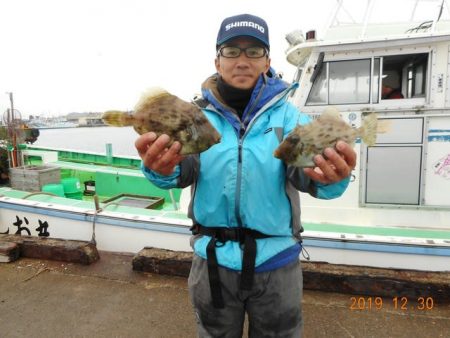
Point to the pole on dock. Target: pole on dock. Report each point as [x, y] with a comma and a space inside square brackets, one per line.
[109, 153]
[11, 125]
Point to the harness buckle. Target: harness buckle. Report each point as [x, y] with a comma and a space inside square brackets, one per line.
[220, 238]
[195, 229]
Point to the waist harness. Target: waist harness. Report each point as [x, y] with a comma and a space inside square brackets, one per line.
[219, 235]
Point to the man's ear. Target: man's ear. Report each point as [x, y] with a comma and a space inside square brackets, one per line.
[267, 65]
[217, 64]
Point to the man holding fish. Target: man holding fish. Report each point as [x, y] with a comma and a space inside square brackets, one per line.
[245, 203]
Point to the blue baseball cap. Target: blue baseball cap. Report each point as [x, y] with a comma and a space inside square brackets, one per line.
[243, 25]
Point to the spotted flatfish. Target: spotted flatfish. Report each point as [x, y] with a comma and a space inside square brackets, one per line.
[306, 141]
[163, 113]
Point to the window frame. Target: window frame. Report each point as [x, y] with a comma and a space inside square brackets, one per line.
[372, 57]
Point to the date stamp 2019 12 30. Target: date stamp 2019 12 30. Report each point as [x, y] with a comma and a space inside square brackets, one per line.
[360, 303]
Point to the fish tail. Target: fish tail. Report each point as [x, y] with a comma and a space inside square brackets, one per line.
[117, 118]
[369, 129]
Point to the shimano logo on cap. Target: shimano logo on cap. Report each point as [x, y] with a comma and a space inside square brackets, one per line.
[244, 24]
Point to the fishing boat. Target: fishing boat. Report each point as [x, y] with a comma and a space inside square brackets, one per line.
[395, 213]
[82, 196]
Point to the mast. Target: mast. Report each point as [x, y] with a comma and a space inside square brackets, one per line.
[11, 125]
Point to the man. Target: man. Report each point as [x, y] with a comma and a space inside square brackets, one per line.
[245, 202]
[388, 93]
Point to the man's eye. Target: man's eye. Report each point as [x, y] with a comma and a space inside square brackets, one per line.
[233, 52]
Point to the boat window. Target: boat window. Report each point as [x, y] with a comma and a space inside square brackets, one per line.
[404, 76]
[319, 91]
[349, 81]
[418, 80]
[358, 81]
[344, 82]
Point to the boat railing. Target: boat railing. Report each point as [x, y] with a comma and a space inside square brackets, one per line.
[426, 13]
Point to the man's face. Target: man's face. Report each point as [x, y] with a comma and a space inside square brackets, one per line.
[242, 72]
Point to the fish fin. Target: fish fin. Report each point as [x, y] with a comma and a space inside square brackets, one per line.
[384, 126]
[331, 112]
[149, 96]
[304, 161]
[117, 118]
[369, 129]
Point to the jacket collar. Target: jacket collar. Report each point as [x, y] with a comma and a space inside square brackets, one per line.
[266, 88]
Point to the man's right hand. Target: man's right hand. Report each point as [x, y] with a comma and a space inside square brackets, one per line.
[155, 153]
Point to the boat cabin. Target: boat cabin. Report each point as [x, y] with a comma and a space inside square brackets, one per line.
[401, 71]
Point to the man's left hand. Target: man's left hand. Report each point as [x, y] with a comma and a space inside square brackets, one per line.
[338, 164]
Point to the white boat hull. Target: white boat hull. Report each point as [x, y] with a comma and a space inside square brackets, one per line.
[117, 233]
[128, 233]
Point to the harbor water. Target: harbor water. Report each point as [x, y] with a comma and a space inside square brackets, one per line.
[92, 139]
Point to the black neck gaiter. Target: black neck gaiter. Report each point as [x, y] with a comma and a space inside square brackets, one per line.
[234, 97]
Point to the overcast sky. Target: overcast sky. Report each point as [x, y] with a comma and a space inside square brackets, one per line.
[68, 56]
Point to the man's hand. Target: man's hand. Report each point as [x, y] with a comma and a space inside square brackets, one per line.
[339, 164]
[155, 153]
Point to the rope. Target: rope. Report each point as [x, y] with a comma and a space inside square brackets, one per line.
[39, 193]
[97, 209]
[307, 257]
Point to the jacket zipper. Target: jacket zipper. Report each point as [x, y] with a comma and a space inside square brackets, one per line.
[242, 132]
[241, 135]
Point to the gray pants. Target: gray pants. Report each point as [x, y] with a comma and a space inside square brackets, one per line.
[273, 305]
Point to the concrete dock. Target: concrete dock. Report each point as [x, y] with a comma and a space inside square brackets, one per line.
[40, 298]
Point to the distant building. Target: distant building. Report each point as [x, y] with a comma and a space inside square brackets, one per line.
[86, 119]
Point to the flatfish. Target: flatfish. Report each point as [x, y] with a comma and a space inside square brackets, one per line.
[163, 113]
[304, 142]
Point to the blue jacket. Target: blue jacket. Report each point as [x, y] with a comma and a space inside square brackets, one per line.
[238, 182]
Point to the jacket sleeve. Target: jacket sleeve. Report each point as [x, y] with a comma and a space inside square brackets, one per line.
[330, 191]
[162, 181]
[184, 174]
[302, 182]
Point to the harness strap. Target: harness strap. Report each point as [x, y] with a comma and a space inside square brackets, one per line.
[220, 235]
[213, 274]
[248, 263]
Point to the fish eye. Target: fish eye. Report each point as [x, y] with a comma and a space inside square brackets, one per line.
[198, 120]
